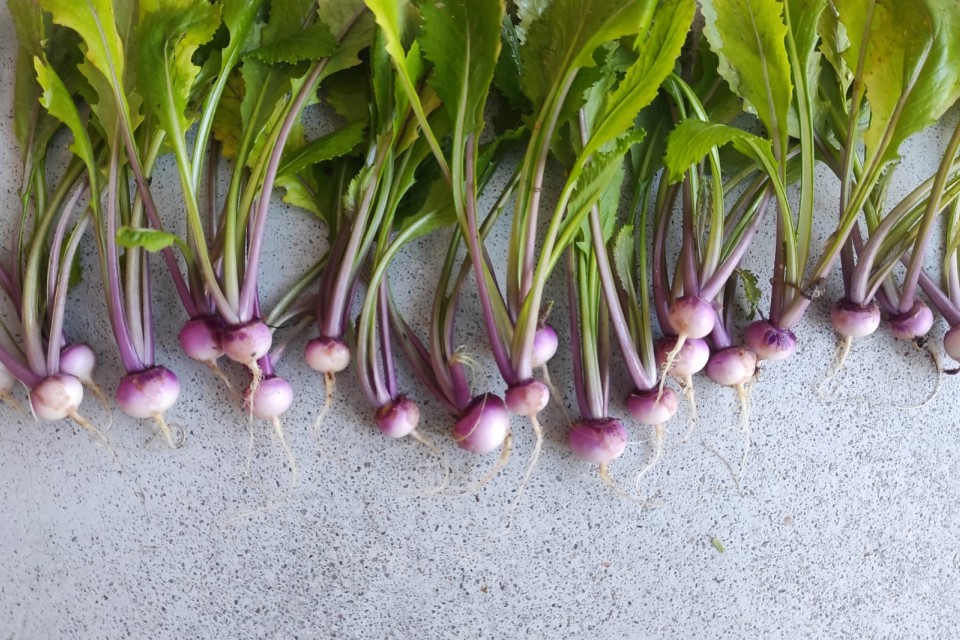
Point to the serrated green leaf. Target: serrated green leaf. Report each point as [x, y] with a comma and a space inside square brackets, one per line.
[462, 40]
[911, 52]
[749, 37]
[833, 42]
[312, 43]
[28, 25]
[168, 35]
[603, 169]
[693, 139]
[646, 157]
[348, 92]
[287, 17]
[751, 292]
[58, 102]
[506, 76]
[391, 18]
[332, 145]
[96, 23]
[803, 21]
[26, 97]
[228, 122]
[150, 240]
[658, 53]
[567, 33]
[297, 192]
[623, 259]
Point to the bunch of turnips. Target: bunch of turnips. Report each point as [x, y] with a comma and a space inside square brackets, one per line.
[670, 146]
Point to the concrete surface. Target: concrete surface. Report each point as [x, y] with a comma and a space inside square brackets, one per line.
[846, 526]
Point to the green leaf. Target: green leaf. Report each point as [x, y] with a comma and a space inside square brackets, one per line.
[228, 122]
[332, 145]
[749, 37]
[910, 65]
[604, 169]
[833, 42]
[647, 155]
[28, 25]
[568, 32]
[658, 53]
[96, 23]
[507, 74]
[58, 102]
[151, 240]
[313, 43]
[298, 192]
[168, 35]
[26, 105]
[751, 291]
[462, 40]
[803, 20]
[348, 93]
[287, 17]
[693, 139]
[623, 260]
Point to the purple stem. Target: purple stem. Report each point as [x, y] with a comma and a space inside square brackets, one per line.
[947, 308]
[146, 295]
[338, 301]
[419, 360]
[19, 369]
[659, 272]
[720, 336]
[638, 373]
[575, 338]
[688, 252]
[121, 332]
[909, 288]
[186, 299]
[248, 291]
[59, 299]
[473, 242]
[720, 277]
[59, 233]
[779, 282]
[386, 349]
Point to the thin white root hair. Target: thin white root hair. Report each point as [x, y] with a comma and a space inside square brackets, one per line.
[691, 398]
[441, 457]
[604, 472]
[271, 503]
[505, 451]
[839, 360]
[938, 367]
[329, 391]
[97, 435]
[167, 433]
[555, 393]
[217, 371]
[257, 377]
[11, 401]
[726, 462]
[743, 394]
[101, 398]
[656, 452]
[531, 466]
[249, 461]
[291, 460]
[668, 363]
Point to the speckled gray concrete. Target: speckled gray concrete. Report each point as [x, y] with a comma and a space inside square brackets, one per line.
[847, 524]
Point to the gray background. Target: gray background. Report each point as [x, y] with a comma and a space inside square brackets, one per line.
[846, 525]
